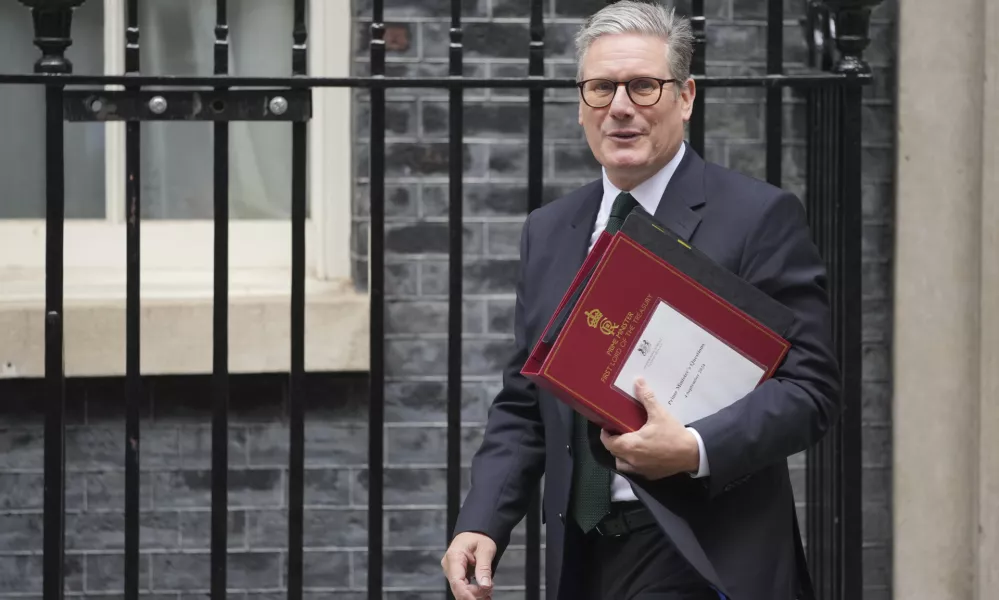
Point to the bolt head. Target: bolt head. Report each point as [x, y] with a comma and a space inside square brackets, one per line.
[279, 105]
[158, 105]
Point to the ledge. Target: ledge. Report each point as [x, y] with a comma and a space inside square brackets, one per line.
[176, 323]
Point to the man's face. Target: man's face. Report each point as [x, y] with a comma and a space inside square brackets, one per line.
[632, 141]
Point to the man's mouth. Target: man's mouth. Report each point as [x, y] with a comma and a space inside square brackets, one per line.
[623, 135]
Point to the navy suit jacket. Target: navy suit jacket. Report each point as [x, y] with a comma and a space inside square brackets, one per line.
[737, 526]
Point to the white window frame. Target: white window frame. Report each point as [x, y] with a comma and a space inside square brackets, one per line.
[176, 256]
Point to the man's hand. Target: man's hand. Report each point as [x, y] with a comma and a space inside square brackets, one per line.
[471, 554]
[662, 447]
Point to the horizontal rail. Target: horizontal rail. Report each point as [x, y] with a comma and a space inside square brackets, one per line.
[809, 79]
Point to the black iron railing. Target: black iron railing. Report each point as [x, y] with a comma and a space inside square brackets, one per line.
[832, 89]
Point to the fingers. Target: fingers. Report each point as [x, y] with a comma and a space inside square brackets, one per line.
[645, 394]
[455, 565]
[625, 466]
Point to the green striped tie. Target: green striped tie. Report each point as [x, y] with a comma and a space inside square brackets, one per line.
[590, 499]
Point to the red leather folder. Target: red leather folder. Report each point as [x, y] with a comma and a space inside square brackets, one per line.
[686, 324]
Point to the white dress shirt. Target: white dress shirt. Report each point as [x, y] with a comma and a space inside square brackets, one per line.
[648, 194]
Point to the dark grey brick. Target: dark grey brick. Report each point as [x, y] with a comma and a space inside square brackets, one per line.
[486, 357]
[104, 447]
[877, 523]
[21, 532]
[196, 447]
[488, 199]
[106, 572]
[416, 527]
[22, 448]
[876, 320]
[107, 490]
[25, 491]
[400, 119]
[22, 574]
[478, 120]
[326, 569]
[193, 488]
[877, 240]
[399, 9]
[508, 160]
[877, 201]
[105, 530]
[401, 202]
[409, 486]
[400, 277]
[406, 569]
[876, 399]
[566, 8]
[737, 42]
[562, 122]
[501, 316]
[326, 487]
[410, 357]
[504, 239]
[196, 530]
[877, 564]
[428, 445]
[876, 449]
[877, 366]
[733, 120]
[575, 160]
[426, 401]
[191, 571]
[878, 122]
[874, 276]
[324, 444]
[481, 276]
[430, 238]
[876, 483]
[340, 528]
[416, 316]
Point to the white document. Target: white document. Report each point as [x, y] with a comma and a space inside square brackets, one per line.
[692, 373]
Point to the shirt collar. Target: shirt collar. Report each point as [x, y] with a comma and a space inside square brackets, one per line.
[649, 192]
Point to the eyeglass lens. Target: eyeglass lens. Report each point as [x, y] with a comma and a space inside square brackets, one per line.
[643, 90]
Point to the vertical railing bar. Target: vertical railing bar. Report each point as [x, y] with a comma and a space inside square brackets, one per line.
[455, 272]
[296, 392]
[535, 190]
[133, 217]
[775, 94]
[376, 289]
[220, 367]
[698, 67]
[55, 382]
[815, 221]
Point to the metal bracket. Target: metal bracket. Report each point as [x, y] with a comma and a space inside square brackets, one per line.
[184, 105]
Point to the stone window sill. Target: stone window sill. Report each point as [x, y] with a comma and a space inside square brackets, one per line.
[177, 323]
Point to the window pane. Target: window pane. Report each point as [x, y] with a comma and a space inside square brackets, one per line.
[22, 120]
[177, 38]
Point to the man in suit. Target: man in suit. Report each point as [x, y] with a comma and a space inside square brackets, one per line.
[692, 511]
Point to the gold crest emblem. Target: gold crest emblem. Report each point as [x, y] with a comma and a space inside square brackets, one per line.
[597, 320]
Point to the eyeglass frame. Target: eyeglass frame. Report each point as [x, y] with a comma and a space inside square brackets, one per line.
[627, 89]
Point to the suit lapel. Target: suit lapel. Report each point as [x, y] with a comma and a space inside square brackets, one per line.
[683, 194]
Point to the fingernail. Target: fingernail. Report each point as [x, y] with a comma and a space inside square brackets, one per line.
[484, 581]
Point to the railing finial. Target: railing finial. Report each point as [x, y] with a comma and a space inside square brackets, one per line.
[53, 23]
[852, 19]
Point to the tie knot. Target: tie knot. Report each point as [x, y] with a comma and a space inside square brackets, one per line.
[623, 204]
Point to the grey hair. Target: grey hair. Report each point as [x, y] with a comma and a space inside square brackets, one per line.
[630, 16]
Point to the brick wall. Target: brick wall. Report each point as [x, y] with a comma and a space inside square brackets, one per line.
[176, 427]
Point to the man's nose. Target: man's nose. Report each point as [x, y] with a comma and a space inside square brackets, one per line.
[621, 102]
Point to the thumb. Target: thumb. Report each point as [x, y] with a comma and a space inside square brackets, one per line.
[646, 396]
[484, 554]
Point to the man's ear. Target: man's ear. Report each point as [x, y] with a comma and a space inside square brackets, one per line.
[687, 95]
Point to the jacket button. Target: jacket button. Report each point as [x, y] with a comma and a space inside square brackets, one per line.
[561, 518]
[568, 449]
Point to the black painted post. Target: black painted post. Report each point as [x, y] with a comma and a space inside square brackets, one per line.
[376, 291]
[53, 21]
[133, 378]
[296, 395]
